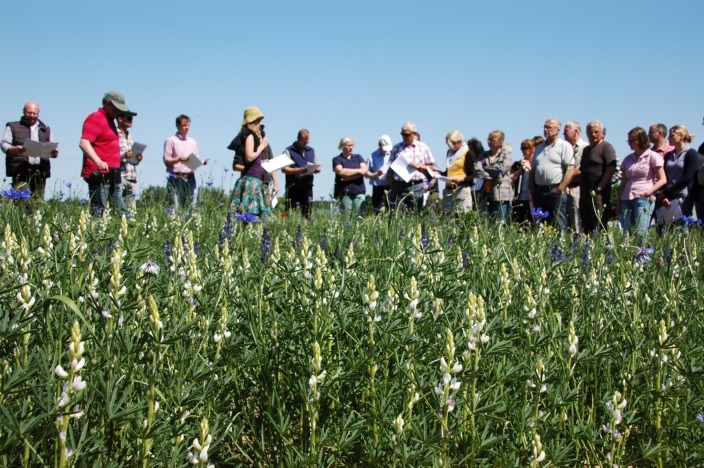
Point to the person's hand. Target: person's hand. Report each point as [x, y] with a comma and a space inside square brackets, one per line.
[525, 164]
[206, 161]
[264, 143]
[643, 195]
[557, 191]
[426, 187]
[128, 154]
[276, 188]
[15, 150]
[666, 203]
[102, 166]
[183, 158]
[379, 173]
[55, 153]
[301, 170]
[317, 171]
[139, 157]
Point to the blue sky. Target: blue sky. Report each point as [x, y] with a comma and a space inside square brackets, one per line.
[350, 68]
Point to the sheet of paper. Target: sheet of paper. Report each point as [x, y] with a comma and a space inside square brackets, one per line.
[193, 162]
[137, 149]
[667, 215]
[274, 200]
[400, 167]
[32, 148]
[48, 148]
[440, 177]
[311, 167]
[277, 163]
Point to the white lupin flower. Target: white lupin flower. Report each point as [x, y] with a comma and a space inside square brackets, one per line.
[78, 383]
[63, 400]
[60, 372]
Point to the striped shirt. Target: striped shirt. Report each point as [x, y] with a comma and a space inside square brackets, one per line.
[418, 152]
[128, 170]
[379, 161]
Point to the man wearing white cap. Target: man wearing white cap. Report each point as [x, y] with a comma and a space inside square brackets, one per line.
[378, 164]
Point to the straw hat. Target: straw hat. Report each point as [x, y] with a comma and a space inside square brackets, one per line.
[252, 114]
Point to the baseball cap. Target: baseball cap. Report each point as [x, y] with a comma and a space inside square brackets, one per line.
[385, 143]
[117, 99]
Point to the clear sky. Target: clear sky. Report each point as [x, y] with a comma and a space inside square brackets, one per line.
[358, 68]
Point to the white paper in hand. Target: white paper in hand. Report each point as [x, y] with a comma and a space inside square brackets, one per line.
[311, 167]
[667, 215]
[137, 149]
[440, 177]
[274, 200]
[400, 167]
[193, 162]
[277, 163]
[32, 148]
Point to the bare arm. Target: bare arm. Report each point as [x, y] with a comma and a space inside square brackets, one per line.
[608, 175]
[351, 174]
[563, 184]
[662, 180]
[88, 150]
[249, 153]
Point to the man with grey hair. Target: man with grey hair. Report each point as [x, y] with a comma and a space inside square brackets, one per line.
[596, 169]
[553, 163]
[657, 134]
[419, 158]
[573, 136]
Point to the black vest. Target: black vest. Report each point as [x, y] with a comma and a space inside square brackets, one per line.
[18, 165]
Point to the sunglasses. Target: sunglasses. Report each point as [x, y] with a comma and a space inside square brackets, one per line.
[406, 134]
[524, 148]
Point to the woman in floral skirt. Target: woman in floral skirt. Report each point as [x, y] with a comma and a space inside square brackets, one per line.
[248, 195]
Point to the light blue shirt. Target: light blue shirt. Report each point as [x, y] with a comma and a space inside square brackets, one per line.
[376, 161]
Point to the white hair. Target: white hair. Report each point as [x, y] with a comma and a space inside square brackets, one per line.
[345, 140]
[410, 126]
[574, 124]
[595, 123]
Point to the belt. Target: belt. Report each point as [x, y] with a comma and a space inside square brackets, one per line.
[546, 188]
[183, 175]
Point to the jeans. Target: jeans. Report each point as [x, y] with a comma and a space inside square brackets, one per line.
[181, 191]
[555, 204]
[353, 202]
[98, 194]
[129, 194]
[499, 210]
[636, 215]
[401, 194]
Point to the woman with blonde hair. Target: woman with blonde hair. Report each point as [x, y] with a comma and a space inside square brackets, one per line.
[680, 166]
[492, 166]
[248, 195]
[457, 195]
[350, 170]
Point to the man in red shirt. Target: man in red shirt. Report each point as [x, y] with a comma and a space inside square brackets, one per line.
[100, 144]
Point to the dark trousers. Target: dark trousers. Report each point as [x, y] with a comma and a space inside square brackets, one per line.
[299, 197]
[555, 204]
[99, 183]
[34, 181]
[591, 208]
[401, 195]
[379, 196]
[520, 212]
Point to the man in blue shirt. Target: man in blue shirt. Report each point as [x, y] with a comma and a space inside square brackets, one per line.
[378, 164]
[299, 183]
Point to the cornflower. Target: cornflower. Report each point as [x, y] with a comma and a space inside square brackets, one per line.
[539, 215]
[13, 194]
[643, 254]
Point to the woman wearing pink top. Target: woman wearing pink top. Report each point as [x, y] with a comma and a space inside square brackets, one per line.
[642, 175]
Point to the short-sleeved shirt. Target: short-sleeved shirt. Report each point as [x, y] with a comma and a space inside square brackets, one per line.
[639, 173]
[666, 148]
[348, 187]
[177, 146]
[417, 152]
[595, 160]
[100, 130]
[379, 161]
[550, 162]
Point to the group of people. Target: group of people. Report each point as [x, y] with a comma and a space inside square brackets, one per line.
[567, 181]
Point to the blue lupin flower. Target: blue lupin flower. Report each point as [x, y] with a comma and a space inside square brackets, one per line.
[556, 254]
[167, 248]
[265, 245]
[700, 418]
[169, 211]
